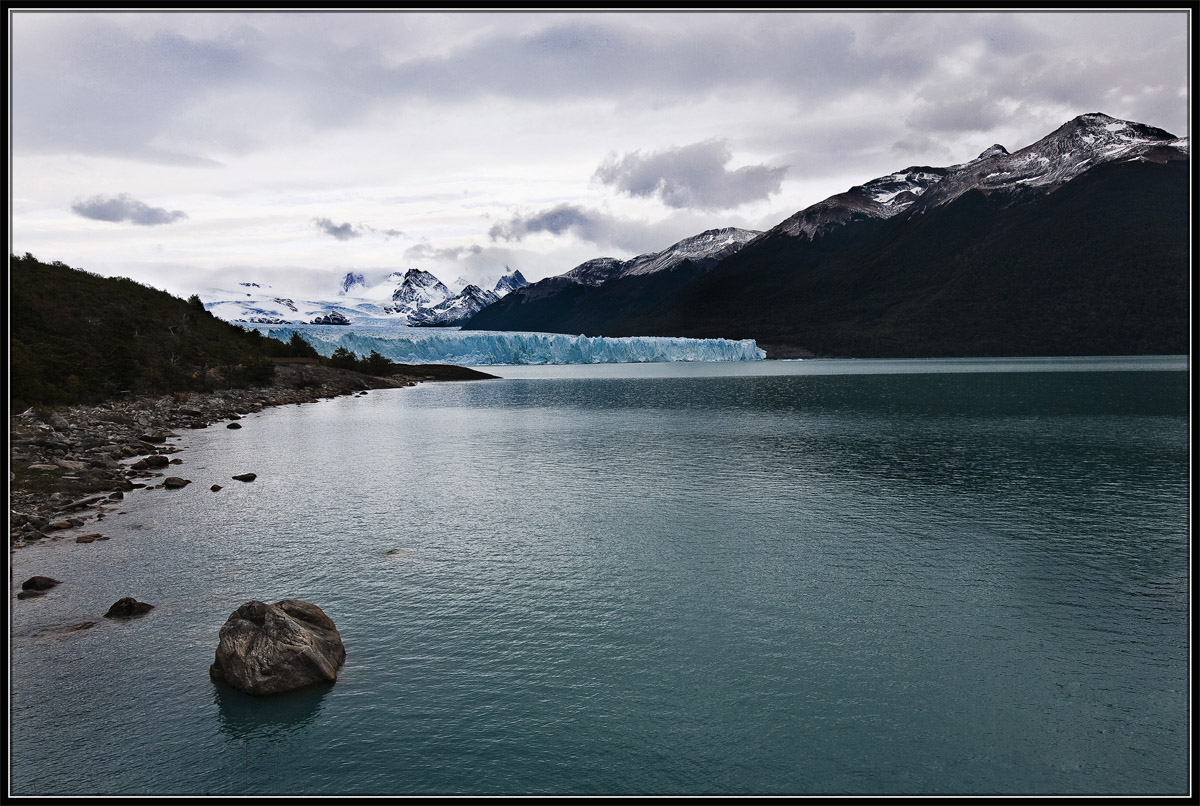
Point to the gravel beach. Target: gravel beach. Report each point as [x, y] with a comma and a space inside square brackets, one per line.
[66, 464]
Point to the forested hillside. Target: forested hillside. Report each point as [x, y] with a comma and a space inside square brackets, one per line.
[77, 337]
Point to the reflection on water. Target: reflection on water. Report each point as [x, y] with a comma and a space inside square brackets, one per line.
[264, 718]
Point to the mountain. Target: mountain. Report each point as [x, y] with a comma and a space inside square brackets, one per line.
[555, 304]
[1077, 244]
[418, 289]
[454, 309]
[351, 282]
[77, 337]
[411, 297]
[510, 282]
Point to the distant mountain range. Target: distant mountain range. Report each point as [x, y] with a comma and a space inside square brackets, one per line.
[1076, 244]
[413, 297]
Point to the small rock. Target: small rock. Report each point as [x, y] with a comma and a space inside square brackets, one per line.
[88, 538]
[83, 502]
[39, 584]
[174, 482]
[245, 477]
[153, 438]
[117, 496]
[53, 631]
[215, 487]
[44, 468]
[234, 425]
[156, 460]
[128, 607]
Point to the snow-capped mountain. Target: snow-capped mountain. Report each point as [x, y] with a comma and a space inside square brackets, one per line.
[411, 297]
[451, 311]
[418, 289]
[509, 282]
[544, 301]
[1082, 143]
[352, 281]
[596, 271]
[1076, 146]
[713, 244]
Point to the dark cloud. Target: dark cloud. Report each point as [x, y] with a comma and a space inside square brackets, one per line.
[602, 229]
[691, 177]
[343, 232]
[125, 208]
[559, 220]
[348, 231]
[423, 251]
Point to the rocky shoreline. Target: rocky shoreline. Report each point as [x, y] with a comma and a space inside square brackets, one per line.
[68, 465]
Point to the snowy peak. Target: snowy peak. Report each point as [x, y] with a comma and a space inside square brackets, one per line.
[595, 271]
[419, 289]
[996, 150]
[452, 311]
[509, 282]
[1076, 146]
[352, 280]
[711, 245]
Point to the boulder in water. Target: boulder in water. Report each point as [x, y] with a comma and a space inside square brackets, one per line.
[273, 648]
[38, 584]
[127, 607]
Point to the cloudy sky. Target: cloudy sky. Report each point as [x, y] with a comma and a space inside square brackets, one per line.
[193, 150]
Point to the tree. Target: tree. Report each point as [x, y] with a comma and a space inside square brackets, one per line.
[299, 348]
[343, 359]
[376, 364]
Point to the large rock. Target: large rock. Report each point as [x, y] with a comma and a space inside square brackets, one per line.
[272, 648]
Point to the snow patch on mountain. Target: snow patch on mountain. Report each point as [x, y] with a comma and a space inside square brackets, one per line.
[410, 297]
[711, 245]
[466, 303]
[1075, 147]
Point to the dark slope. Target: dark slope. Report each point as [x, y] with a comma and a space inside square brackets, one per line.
[76, 337]
[1099, 266]
[623, 306]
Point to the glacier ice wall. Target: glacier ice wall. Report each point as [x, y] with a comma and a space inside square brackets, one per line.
[407, 345]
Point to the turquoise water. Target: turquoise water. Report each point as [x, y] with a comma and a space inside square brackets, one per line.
[889, 577]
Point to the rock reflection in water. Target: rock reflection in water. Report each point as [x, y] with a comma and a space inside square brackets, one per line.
[242, 716]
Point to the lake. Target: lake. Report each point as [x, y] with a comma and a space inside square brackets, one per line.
[798, 577]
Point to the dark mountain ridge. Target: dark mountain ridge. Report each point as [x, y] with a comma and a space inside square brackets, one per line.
[1075, 245]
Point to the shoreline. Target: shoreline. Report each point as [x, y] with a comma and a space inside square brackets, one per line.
[66, 464]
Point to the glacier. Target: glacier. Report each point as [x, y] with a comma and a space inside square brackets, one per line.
[407, 345]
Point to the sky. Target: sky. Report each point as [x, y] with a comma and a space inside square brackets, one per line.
[197, 150]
